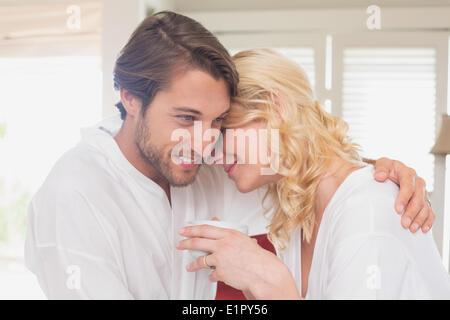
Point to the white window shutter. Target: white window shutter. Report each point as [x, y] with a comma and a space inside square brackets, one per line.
[389, 102]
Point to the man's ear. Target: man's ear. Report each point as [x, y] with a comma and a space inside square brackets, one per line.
[131, 104]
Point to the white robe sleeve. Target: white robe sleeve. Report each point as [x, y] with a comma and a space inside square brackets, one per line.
[69, 249]
[370, 255]
[367, 267]
[363, 252]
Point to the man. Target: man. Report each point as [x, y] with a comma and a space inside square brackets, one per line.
[103, 225]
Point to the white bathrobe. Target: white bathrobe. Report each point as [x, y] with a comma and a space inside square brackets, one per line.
[363, 252]
[99, 229]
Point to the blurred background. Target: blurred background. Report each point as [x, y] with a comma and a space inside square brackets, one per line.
[383, 66]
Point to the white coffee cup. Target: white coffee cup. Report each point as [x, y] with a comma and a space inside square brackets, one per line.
[220, 224]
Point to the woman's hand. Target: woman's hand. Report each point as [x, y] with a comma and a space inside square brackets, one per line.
[239, 262]
[412, 195]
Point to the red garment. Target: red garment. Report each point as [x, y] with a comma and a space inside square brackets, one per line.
[225, 292]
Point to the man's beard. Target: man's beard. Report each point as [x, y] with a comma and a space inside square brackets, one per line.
[155, 157]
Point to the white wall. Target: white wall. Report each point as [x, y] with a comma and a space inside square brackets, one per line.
[120, 18]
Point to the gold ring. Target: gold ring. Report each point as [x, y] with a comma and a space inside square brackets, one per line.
[206, 263]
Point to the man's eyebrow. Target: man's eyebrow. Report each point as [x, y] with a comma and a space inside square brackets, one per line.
[186, 109]
[190, 110]
[224, 113]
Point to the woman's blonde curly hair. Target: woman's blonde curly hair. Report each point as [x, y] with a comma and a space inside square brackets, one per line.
[274, 89]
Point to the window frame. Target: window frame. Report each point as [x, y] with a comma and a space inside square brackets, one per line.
[316, 41]
[440, 42]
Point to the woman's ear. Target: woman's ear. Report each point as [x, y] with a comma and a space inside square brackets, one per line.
[277, 100]
[131, 104]
[275, 97]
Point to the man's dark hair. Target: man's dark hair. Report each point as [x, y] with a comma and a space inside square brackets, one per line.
[166, 43]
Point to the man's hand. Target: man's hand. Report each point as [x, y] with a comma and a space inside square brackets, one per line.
[412, 195]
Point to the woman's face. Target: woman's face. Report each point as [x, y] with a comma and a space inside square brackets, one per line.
[247, 156]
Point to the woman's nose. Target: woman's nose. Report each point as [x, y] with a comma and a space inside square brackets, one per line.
[228, 150]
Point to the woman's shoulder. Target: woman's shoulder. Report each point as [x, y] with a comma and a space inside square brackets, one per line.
[363, 229]
[364, 206]
[361, 192]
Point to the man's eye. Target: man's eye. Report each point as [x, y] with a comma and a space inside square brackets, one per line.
[186, 118]
[219, 119]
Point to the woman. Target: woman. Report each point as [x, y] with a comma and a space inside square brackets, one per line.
[332, 225]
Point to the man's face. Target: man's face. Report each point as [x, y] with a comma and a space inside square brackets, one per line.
[192, 96]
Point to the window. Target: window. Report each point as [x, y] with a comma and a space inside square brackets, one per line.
[45, 102]
[391, 88]
[389, 102]
[307, 50]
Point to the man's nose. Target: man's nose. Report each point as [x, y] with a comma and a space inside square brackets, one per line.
[208, 138]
